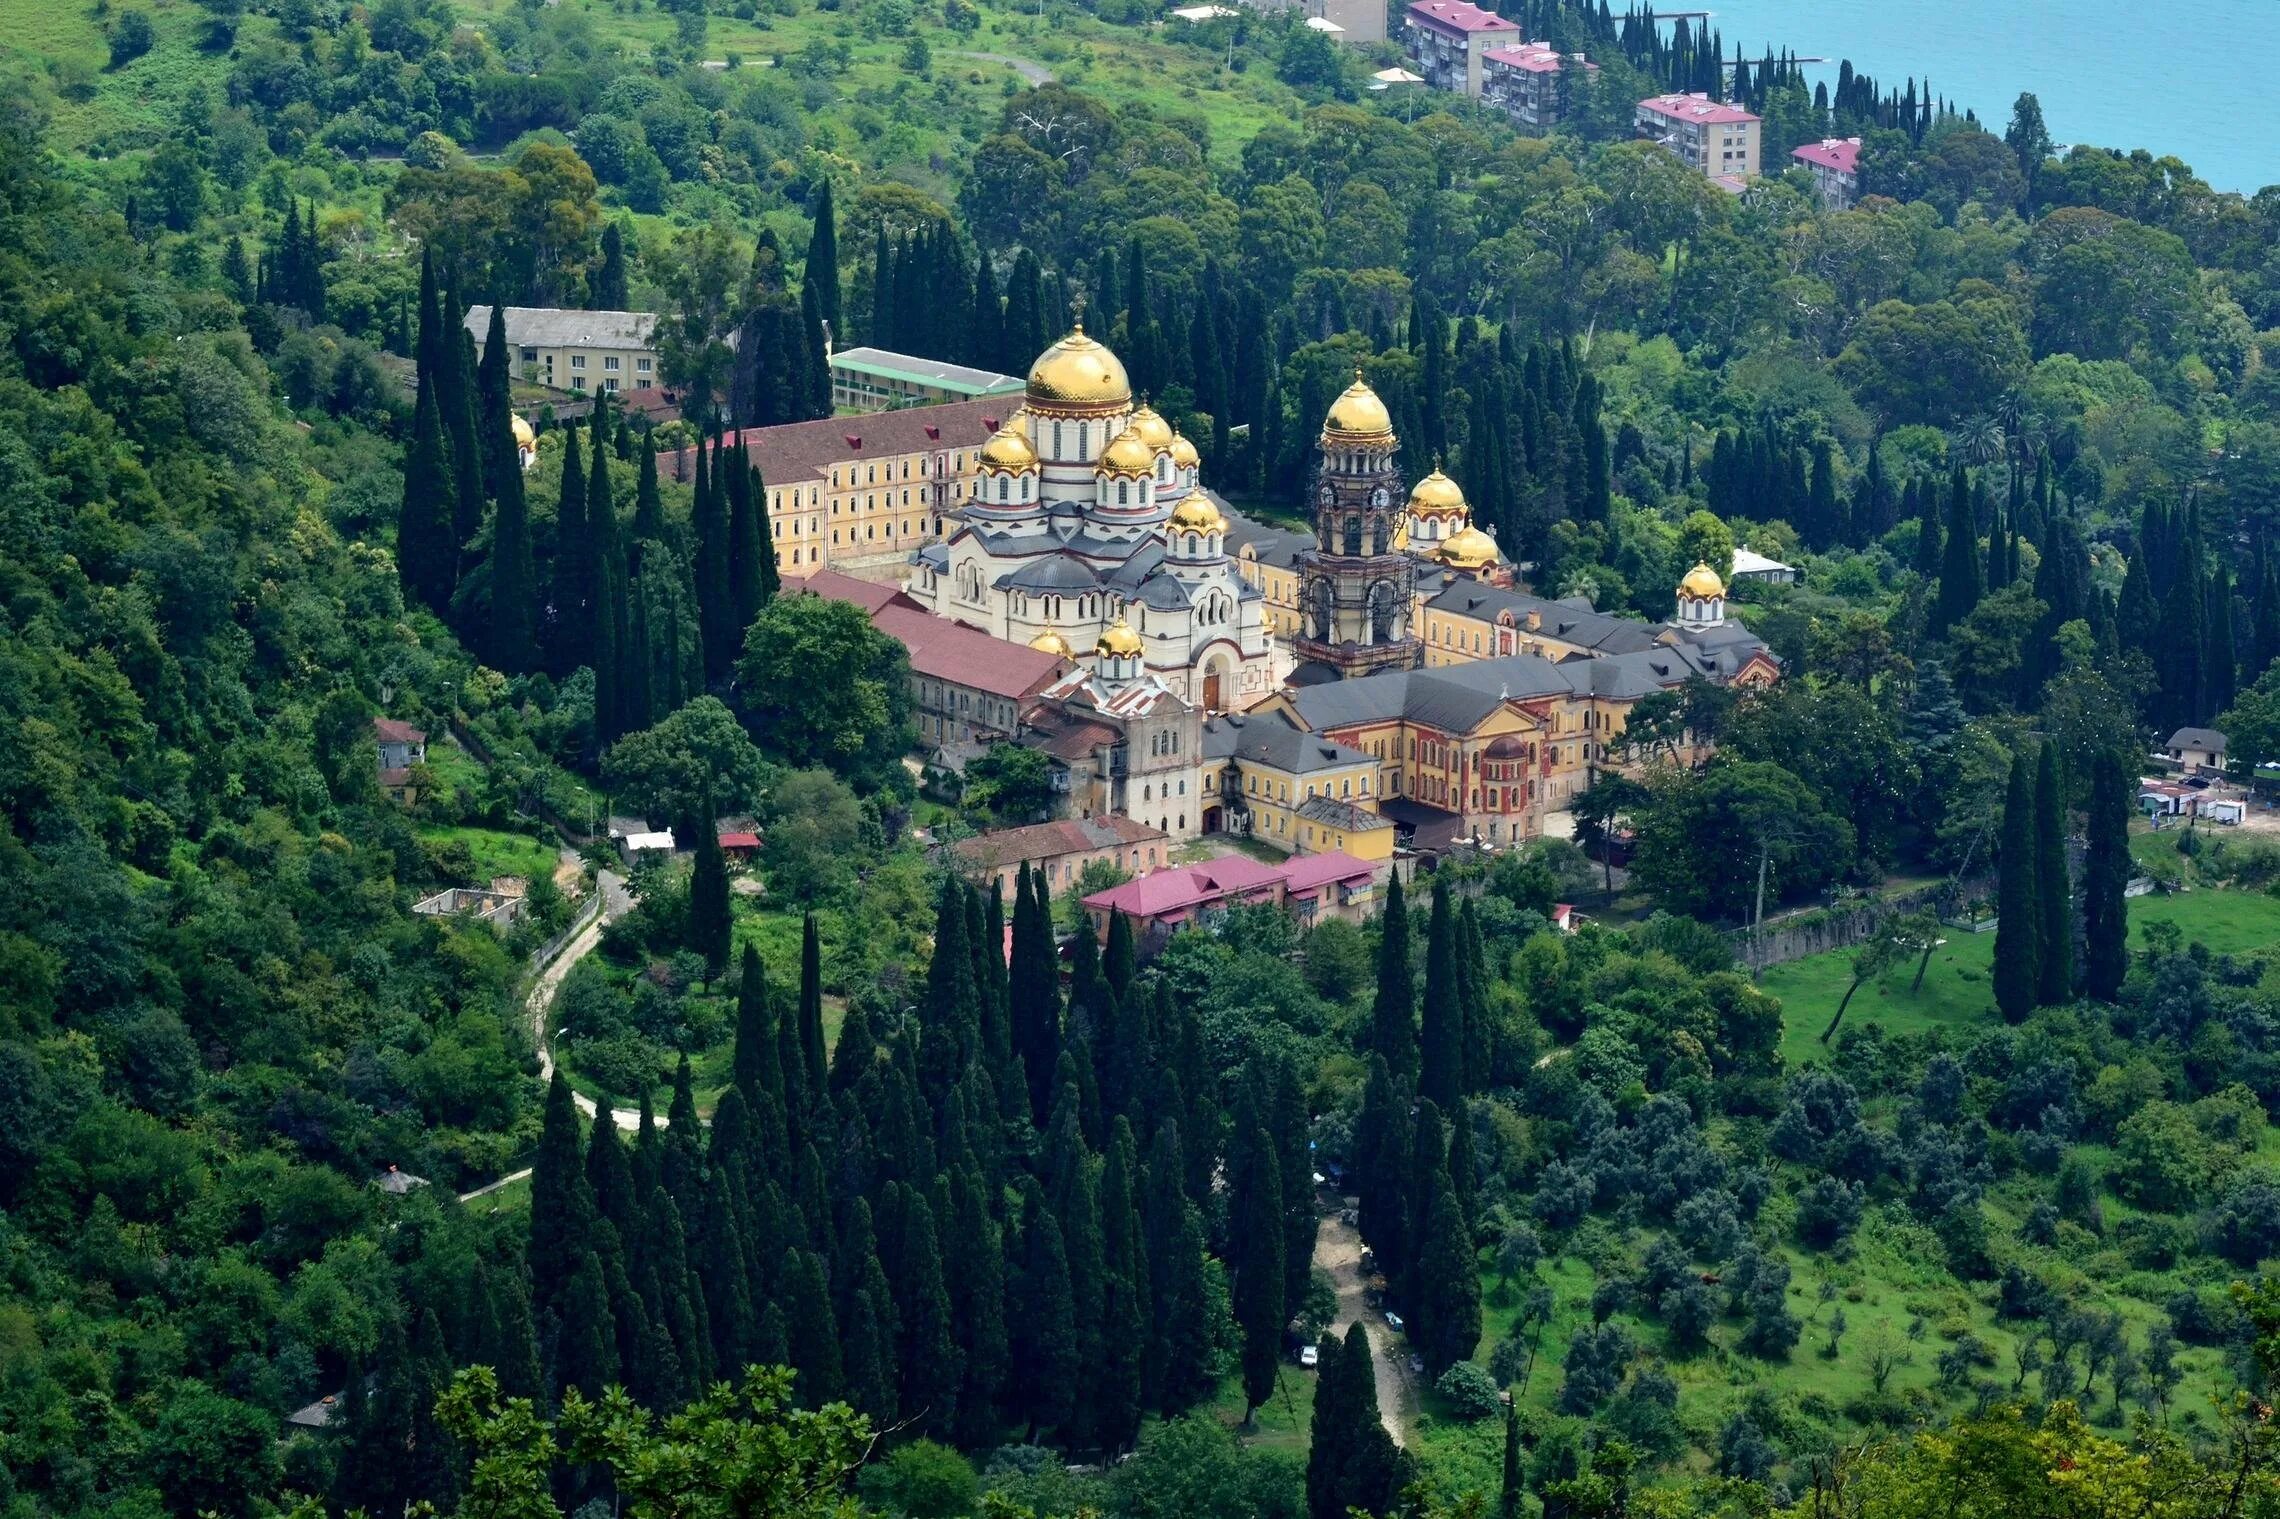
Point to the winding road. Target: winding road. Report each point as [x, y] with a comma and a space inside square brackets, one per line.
[616, 902]
[1338, 1250]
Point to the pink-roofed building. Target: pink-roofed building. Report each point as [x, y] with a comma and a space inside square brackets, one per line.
[1835, 166]
[1448, 38]
[1313, 886]
[1529, 81]
[1712, 138]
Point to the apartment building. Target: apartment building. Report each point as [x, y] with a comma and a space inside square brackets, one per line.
[1834, 163]
[874, 379]
[858, 494]
[1712, 138]
[1529, 82]
[1355, 20]
[1447, 40]
[579, 351]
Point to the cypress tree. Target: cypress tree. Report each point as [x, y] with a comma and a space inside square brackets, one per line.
[1118, 1392]
[1441, 1042]
[1509, 1494]
[1033, 990]
[2018, 928]
[1382, 1143]
[426, 555]
[1931, 546]
[2106, 870]
[822, 269]
[753, 1068]
[976, 1272]
[648, 503]
[1328, 1444]
[684, 1145]
[561, 1203]
[1178, 1275]
[2264, 635]
[2137, 614]
[2222, 665]
[514, 568]
[588, 1355]
[811, 1326]
[2054, 892]
[764, 548]
[606, 289]
[931, 1365]
[810, 1011]
[572, 631]
[747, 579]
[458, 400]
[2180, 649]
[1044, 1338]
[1393, 1019]
[711, 922]
[1448, 1285]
[717, 626]
[1260, 1313]
[1960, 569]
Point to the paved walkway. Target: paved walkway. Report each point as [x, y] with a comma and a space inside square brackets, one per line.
[616, 901]
[1338, 1250]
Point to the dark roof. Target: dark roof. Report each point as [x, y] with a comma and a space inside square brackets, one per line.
[1053, 572]
[2197, 738]
[801, 451]
[564, 327]
[1570, 620]
[1456, 698]
[389, 730]
[1274, 740]
[1066, 736]
[1046, 841]
[1334, 813]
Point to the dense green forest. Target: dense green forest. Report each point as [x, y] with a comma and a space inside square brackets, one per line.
[1939, 1214]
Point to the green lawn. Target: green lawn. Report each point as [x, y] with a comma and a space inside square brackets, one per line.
[496, 853]
[1957, 993]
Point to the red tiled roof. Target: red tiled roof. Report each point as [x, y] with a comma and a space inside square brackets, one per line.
[389, 730]
[1172, 891]
[396, 777]
[740, 841]
[797, 452]
[1839, 153]
[1696, 107]
[1459, 16]
[964, 657]
[1311, 871]
[1532, 58]
[867, 594]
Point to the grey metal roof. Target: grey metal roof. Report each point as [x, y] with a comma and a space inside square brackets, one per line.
[1338, 814]
[1570, 619]
[1054, 572]
[1273, 740]
[560, 327]
[906, 366]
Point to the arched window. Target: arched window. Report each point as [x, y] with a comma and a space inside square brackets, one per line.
[1056, 440]
[1353, 535]
[1123, 493]
[1003, 483]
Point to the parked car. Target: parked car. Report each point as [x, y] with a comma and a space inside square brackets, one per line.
[1309, 1355]
[1393, 1321]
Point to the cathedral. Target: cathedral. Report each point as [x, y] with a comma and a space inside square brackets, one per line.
[1088, 527]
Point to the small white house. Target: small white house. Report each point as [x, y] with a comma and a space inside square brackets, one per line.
[2195, 749]
[656, 845]
[1749, 565]
[2224, 809]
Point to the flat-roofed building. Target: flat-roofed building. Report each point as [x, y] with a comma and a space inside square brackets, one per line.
[1447, 39]
[1715, 140]
[1834, 163]
[875, 379]
[1530, 82]
[859, 494]
[589, 351]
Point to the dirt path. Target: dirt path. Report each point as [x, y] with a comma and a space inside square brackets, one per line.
[1035, 73]
[1338, 1250]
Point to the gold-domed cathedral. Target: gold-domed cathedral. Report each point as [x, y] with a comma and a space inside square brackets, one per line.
[1358, 583]
[1087, 515]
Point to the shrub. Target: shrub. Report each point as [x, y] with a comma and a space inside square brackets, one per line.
[131, 38]
[1470, 1391]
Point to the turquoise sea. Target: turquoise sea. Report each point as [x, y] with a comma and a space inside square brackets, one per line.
[2189, 77]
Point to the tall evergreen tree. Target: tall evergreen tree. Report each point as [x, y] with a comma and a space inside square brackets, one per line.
[427, 557]
[1260, 1312]
[747, 575]
[2018, 927]
[570, 634]
[1393, 1018]
[2106, 871]
[711, 922]
[1352, 1462]
[1441, 1040]
[459, 402]
[717, 626]
[2220, 667]
[822, 269]
[1044, 1329]
[2180, 646]
[2054, 891]
[606, 286]
[2264, 626]
[1961, 582]
[511, 646]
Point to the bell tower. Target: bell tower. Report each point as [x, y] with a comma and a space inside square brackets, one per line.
[1356, 587]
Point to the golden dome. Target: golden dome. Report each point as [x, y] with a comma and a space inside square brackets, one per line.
[1702, 583]
[1437, 496]
[1358, 413]
[1153, 429]
[1184, 455]
[524, 436]
[1468, 548]
[1196, 514]
[1050, 642]
[1118, 640]
[1007, 449]
[1128, 455]
[1077, 372]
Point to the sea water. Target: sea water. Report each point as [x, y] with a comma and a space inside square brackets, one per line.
[2193, 78]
